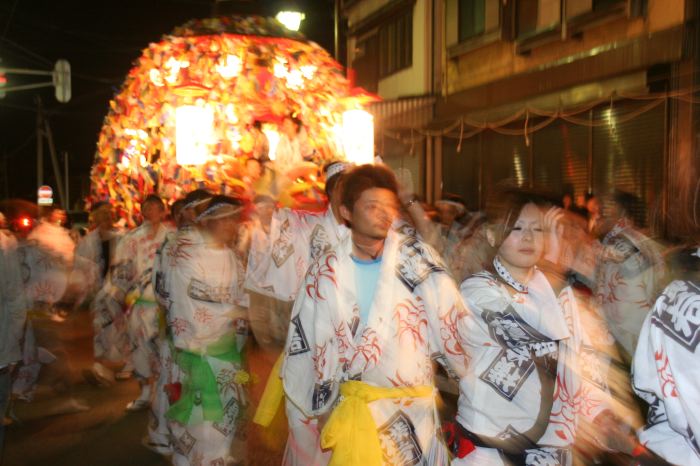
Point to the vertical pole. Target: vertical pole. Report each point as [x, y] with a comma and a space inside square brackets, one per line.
[39, 144]
[54, 162]
[5, 175]
[336, 30]
[65, 172]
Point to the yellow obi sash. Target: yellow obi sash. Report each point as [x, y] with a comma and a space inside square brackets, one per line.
[351, 431]
[272, 396]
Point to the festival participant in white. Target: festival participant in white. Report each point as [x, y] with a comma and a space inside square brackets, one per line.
[137, 250]
[280, 254]
[13, 308]
[666, 368]
[534, 378]
[94, 253]
[630, 269]
[373, 314]
[207, 327]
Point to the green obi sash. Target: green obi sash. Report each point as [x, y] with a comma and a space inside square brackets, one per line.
[199, 386]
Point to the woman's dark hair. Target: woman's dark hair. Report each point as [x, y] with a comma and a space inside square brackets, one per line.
[504, 207]
[364, 177]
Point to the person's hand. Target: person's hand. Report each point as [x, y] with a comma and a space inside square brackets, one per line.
[554, 234]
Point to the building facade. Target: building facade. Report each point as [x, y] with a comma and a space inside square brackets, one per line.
[579, 96]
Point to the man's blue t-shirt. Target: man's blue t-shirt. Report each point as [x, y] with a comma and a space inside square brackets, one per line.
[366, 278]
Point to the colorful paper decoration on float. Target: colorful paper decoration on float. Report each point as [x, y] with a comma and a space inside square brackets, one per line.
[234, 71]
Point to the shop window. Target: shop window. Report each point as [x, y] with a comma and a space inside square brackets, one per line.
[535, 16]
[396, 44]
[477, 17]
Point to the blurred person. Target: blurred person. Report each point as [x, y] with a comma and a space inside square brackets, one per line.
[261, 145]
[285, 243]
[268, 325]
[95, 252]
[666, 368]
[372, 315]
[471, 254]
[7, 238]
[13, 308]
[207, 396]
[133, 267]
[535, 380]
[293, 147]
[629, 271]
[183, 213]
[48, 255]
[594, 215]
[451, 209]
[46, 259]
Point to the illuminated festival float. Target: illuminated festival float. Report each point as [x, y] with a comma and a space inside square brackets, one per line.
[196, 104]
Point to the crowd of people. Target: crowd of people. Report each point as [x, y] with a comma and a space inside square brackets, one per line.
[565, 333]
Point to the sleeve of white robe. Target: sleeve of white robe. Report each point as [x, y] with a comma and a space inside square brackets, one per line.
[445, 308]
[311, 351]
[666, 367]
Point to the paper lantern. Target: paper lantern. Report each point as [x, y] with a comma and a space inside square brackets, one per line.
[193, 132]
[358, 136]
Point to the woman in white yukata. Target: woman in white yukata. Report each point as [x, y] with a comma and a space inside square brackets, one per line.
[207, 327]
[535, 378]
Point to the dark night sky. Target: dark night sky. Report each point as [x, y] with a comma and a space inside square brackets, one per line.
[100, 39]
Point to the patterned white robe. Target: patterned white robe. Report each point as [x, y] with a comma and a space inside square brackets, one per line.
[666, 372]
[47, 259]
[278, 261]
[629, 271]
[134, 263]
[412, 322]
[501, 395]
[89, 267]
[202, 290]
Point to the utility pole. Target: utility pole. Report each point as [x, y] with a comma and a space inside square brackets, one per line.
[54, 163]
[44, 130]
[39, 144]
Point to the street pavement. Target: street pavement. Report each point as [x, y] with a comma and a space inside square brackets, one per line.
[105, 435]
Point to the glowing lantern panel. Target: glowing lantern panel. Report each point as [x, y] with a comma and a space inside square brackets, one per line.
[273, 139]
[193, 132]
[358, 136]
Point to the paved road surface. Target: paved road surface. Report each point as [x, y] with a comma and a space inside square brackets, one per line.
[105, 435]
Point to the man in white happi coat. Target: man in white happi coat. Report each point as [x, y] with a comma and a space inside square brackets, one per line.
[666, 370]
[208, 329]
[134, 264]
[372, 316]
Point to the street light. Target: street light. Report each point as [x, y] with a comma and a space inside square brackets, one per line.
[290, 19]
